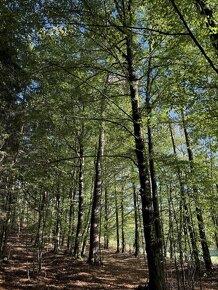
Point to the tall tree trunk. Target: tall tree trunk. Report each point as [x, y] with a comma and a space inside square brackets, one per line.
[94, 255]
[72, 231]
[185, 205]
[78, 239]
[5, 223]
[122, 224]
[215, 223]
[106, 218]
[214, 193]
[202, 234]
[72, 195]
[157, 221]
[153, 243]
[171, 227]
[86, 233]
[38, 240]
[117, 222]
[87, 224]
[136, 241]
[57, 223]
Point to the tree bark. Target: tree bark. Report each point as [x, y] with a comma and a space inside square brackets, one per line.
[94, 255]
[85, 234]
[38, 238]
[70, 220]
[57, 223]
[78, 239]
[153, 244]
[122, 224]
[136, 242]
[157, 221]
[5, 223]
[117, 222]
[184, 204]
[202, 234]
[106, 218]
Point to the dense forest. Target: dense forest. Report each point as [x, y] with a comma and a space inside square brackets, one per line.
[108, 140]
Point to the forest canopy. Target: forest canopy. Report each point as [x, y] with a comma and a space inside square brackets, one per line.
[108, 135]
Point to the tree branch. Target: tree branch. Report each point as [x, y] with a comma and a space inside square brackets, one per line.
[193, 37]
[90, 156]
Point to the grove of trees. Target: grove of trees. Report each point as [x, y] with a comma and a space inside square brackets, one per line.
[108, 134]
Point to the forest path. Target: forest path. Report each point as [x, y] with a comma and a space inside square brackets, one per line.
[59, 271]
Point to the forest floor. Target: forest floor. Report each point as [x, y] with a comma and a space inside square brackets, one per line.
[59, 271]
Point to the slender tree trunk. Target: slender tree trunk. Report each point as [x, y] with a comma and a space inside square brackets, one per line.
[177, 244]
[12, 129]
[117, 222]
[122, 224]
[85, 238]
[72, 230]
[157, 221]
[38, 241]
[70, 220]
[162, 220]
[202, 234]
[153, 243]
[106, 218]
[86, 234]
[78, 239]
[57, 223]
[215, 219]
[22, 214]
[136, 242]
[94, 257]
[5, 223]
[70, 216]
[100, 223]
[214, 193]
[171, 228]
[186, 210]
[215, 223]
[87, 224]
[63, 222]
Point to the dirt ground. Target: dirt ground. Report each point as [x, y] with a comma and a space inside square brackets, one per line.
[59, 271]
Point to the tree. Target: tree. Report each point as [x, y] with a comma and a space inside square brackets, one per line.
[94, 255]
[56, 101]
